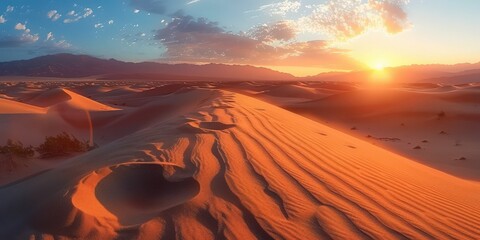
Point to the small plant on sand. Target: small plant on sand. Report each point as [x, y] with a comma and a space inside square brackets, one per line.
[441, 115]
[17, 149]
[61, 145]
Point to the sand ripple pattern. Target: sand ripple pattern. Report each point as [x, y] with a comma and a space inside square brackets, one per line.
[239, 168]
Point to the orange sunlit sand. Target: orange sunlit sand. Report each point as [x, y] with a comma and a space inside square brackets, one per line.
[181, 155]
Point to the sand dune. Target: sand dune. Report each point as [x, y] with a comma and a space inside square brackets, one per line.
[231, 166]
[66, 98]
[14, 107]
[442, 123]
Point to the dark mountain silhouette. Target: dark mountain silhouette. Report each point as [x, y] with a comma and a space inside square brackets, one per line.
[75, 66]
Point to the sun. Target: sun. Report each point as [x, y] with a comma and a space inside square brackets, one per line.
[379, 73]
[379, 66]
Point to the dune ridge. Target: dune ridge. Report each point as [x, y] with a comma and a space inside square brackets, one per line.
[13, 107]
[262, 173]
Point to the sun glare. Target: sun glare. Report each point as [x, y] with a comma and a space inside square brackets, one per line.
[379, 73]
[378, 66]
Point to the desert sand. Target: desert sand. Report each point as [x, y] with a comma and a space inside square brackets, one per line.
[243, 161]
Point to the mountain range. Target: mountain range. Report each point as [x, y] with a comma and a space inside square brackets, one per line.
[78, 66]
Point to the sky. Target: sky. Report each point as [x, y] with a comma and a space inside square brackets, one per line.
[302, 37]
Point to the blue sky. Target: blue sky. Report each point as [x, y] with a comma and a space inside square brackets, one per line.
[297, 36]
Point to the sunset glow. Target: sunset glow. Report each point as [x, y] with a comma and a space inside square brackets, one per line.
[301, 37]
[379, 66]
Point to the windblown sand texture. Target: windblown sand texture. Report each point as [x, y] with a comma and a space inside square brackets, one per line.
[217, 161]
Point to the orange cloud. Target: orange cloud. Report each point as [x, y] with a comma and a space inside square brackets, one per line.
[344, 19]
[187, 39]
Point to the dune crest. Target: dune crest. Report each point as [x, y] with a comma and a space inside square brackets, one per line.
[14, 107]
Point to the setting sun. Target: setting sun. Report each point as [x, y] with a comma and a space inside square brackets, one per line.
[379, 65]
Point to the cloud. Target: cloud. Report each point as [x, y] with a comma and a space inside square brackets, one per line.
[192, 2]
[27, 37]
[20, 26]
[318, 54]
[344, 19]
[98, 25]
[86, 13]
[151, 6]
[54, 15]
[110, 22]
[392, 14]
[10, 8]
[2, 19]
[18, 41]
[51, 13]
[50, 36]
[187, 39]
[10, 42]
[280, 8]
[278, 31]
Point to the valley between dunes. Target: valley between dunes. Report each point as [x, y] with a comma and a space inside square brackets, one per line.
[198, 162]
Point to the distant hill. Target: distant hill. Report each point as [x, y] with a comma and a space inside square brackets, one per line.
[75, 66]
[452, 74]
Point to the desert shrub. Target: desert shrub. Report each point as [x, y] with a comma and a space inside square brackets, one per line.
[61, 145]
[441, 115]
[17, 149]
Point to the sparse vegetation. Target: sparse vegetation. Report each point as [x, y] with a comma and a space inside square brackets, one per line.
[441, 115]
[17, 149]
[61, 145]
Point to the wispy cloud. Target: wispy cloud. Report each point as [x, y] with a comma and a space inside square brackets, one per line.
[192, 2]
[25, 37]
[54, 15]
[344, 19]
[277, 31]
[187, 39]
[280, 8]
[78, 16]
[29, 38]
[87, 12]
[11, 42]
[10, 8]
[50, 36]
[152, 6]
